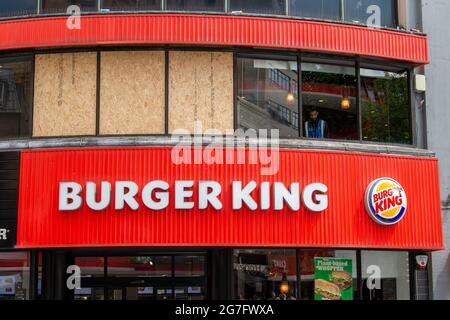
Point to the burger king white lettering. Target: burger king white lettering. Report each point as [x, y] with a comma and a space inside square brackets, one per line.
[155, 195]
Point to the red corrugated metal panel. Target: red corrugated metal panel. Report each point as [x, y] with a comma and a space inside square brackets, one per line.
[344, 224]
[214, 30]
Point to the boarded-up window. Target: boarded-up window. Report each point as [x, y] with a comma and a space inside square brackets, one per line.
[132, 98]
[65, 94]
[200, 89]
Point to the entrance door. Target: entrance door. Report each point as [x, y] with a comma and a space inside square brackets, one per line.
[143, 277]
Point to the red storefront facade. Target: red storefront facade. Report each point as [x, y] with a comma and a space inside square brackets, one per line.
[345, 223]
[211, 250]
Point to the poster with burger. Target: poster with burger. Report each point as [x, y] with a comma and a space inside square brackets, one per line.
[333, 279]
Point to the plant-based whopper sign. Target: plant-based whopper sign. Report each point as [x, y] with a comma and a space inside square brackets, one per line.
[333, 279]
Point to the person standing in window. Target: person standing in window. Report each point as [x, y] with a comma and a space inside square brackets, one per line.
[315, 127]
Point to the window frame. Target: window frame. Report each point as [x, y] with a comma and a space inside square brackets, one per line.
[358, 265]
[96, 9]
[22, 57]
[33, 270]
[107, 282]
[411, 114]
[356, 62]
[395, 16]
[341, 63]
[99, 9]
[287, 55]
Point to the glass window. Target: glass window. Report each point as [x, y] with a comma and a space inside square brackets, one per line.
[393, 268]
[189, 266]
[190, 293]
[259, 6]
[95, 293]
[359, 11]
[91, 267]
[320, 9]
[131, 5]
[40, 275]
[196, 5]
[145, 266]
[268, 95]
[385, 106]
[307, 269]
[60, 6]
[14, 275]
[329, 101]
[15, 97]
[17, 8]
[265, 274]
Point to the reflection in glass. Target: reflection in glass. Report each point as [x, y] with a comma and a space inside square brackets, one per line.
[164, 294]
[15, 97]
[320, 9]
[385, 106]
[131, 5]
[87, 294]
[60, 6]
[307, 269]
[196, 5]
[259, 6]
[268, 95]
[190, 293]
[189, 266]
[394, 270]
[14, 276]
[17, 8]
[329, 101]
[146, 266]
[91, 267]
[265, 274]
[359, 11]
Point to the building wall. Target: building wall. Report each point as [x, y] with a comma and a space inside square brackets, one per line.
[435, 22]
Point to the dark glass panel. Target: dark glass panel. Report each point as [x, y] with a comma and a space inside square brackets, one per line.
[329, 101]
[268, 95]
[196, 5]
[259, 6]
[15, 97]
[385, 106]
[359, 11]
[320, 9]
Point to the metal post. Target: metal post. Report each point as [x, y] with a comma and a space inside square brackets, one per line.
[359, 110]
[342, 4]
[38, 7]
[287, 7]
[34, 278]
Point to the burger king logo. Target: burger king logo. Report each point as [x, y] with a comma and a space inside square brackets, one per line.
[386, 201]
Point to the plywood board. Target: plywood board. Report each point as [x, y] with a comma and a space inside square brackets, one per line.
[65, 94]
[200, 89]
[132, 95]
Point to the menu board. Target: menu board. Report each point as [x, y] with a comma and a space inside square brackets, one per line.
[333, 279]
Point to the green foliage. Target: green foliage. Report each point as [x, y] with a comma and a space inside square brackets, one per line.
[387, 119]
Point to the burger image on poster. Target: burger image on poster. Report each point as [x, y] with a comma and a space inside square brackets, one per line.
[327, 290]
[342, 279]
